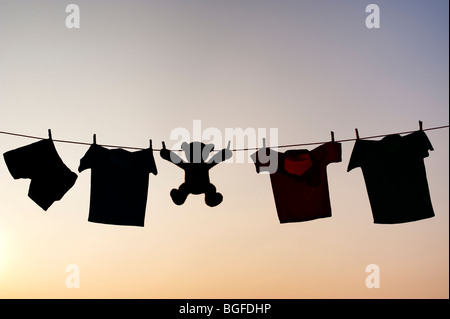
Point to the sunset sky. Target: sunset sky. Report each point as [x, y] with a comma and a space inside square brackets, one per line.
[138, 70]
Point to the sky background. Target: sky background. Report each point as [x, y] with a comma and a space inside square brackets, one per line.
[137, 70]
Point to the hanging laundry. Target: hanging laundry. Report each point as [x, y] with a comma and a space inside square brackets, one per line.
[119, 184]
[40, 162]
[300, 182]
[395, 176]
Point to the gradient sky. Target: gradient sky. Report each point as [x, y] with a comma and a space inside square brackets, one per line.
[136, 70]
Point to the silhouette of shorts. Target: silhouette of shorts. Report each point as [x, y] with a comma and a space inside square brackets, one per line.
[40, 162]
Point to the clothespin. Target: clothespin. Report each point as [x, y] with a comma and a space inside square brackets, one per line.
[357, 133]
[229, 143]
[164, 145]
[332, 136]
[151, 146]
[264, 146]
[421, 125]
[50, 134]
[94, 139]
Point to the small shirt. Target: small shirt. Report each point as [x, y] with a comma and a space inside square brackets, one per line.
[300, 182]
[395, 176]
[40, 162]
[119, 184]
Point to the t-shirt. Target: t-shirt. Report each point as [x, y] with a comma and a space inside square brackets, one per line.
[119, 184]
[395, 176]
[300, 182]
[40, 162]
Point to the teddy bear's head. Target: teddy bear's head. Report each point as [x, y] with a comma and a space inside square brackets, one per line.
[197, 152]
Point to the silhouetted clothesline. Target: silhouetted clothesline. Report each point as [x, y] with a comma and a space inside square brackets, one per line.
[233, 150]
[393, 169]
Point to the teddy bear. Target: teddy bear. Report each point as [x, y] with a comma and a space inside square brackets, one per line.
[196, 171]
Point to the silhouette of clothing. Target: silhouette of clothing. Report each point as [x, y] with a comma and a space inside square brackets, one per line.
[119, 184]
[300, 183]
[395, 176]
[40, 162]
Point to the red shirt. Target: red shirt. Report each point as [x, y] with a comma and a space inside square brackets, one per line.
[300, 183]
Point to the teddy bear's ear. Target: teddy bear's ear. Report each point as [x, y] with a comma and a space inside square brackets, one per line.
[208, 148]
[184, 146]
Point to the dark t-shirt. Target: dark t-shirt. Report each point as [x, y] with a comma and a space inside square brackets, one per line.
[395, 176]
[119, 184]
[300, 183]
[40, 162]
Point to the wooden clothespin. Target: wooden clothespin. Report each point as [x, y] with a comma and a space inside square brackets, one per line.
[357, 133]
[421, 125]
[332, 136]
[50, 134]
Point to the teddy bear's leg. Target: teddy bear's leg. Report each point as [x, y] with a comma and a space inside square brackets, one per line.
[212, 198]
[179, 195]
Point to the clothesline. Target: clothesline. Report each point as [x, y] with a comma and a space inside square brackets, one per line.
[233, 150]
[120, 179]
